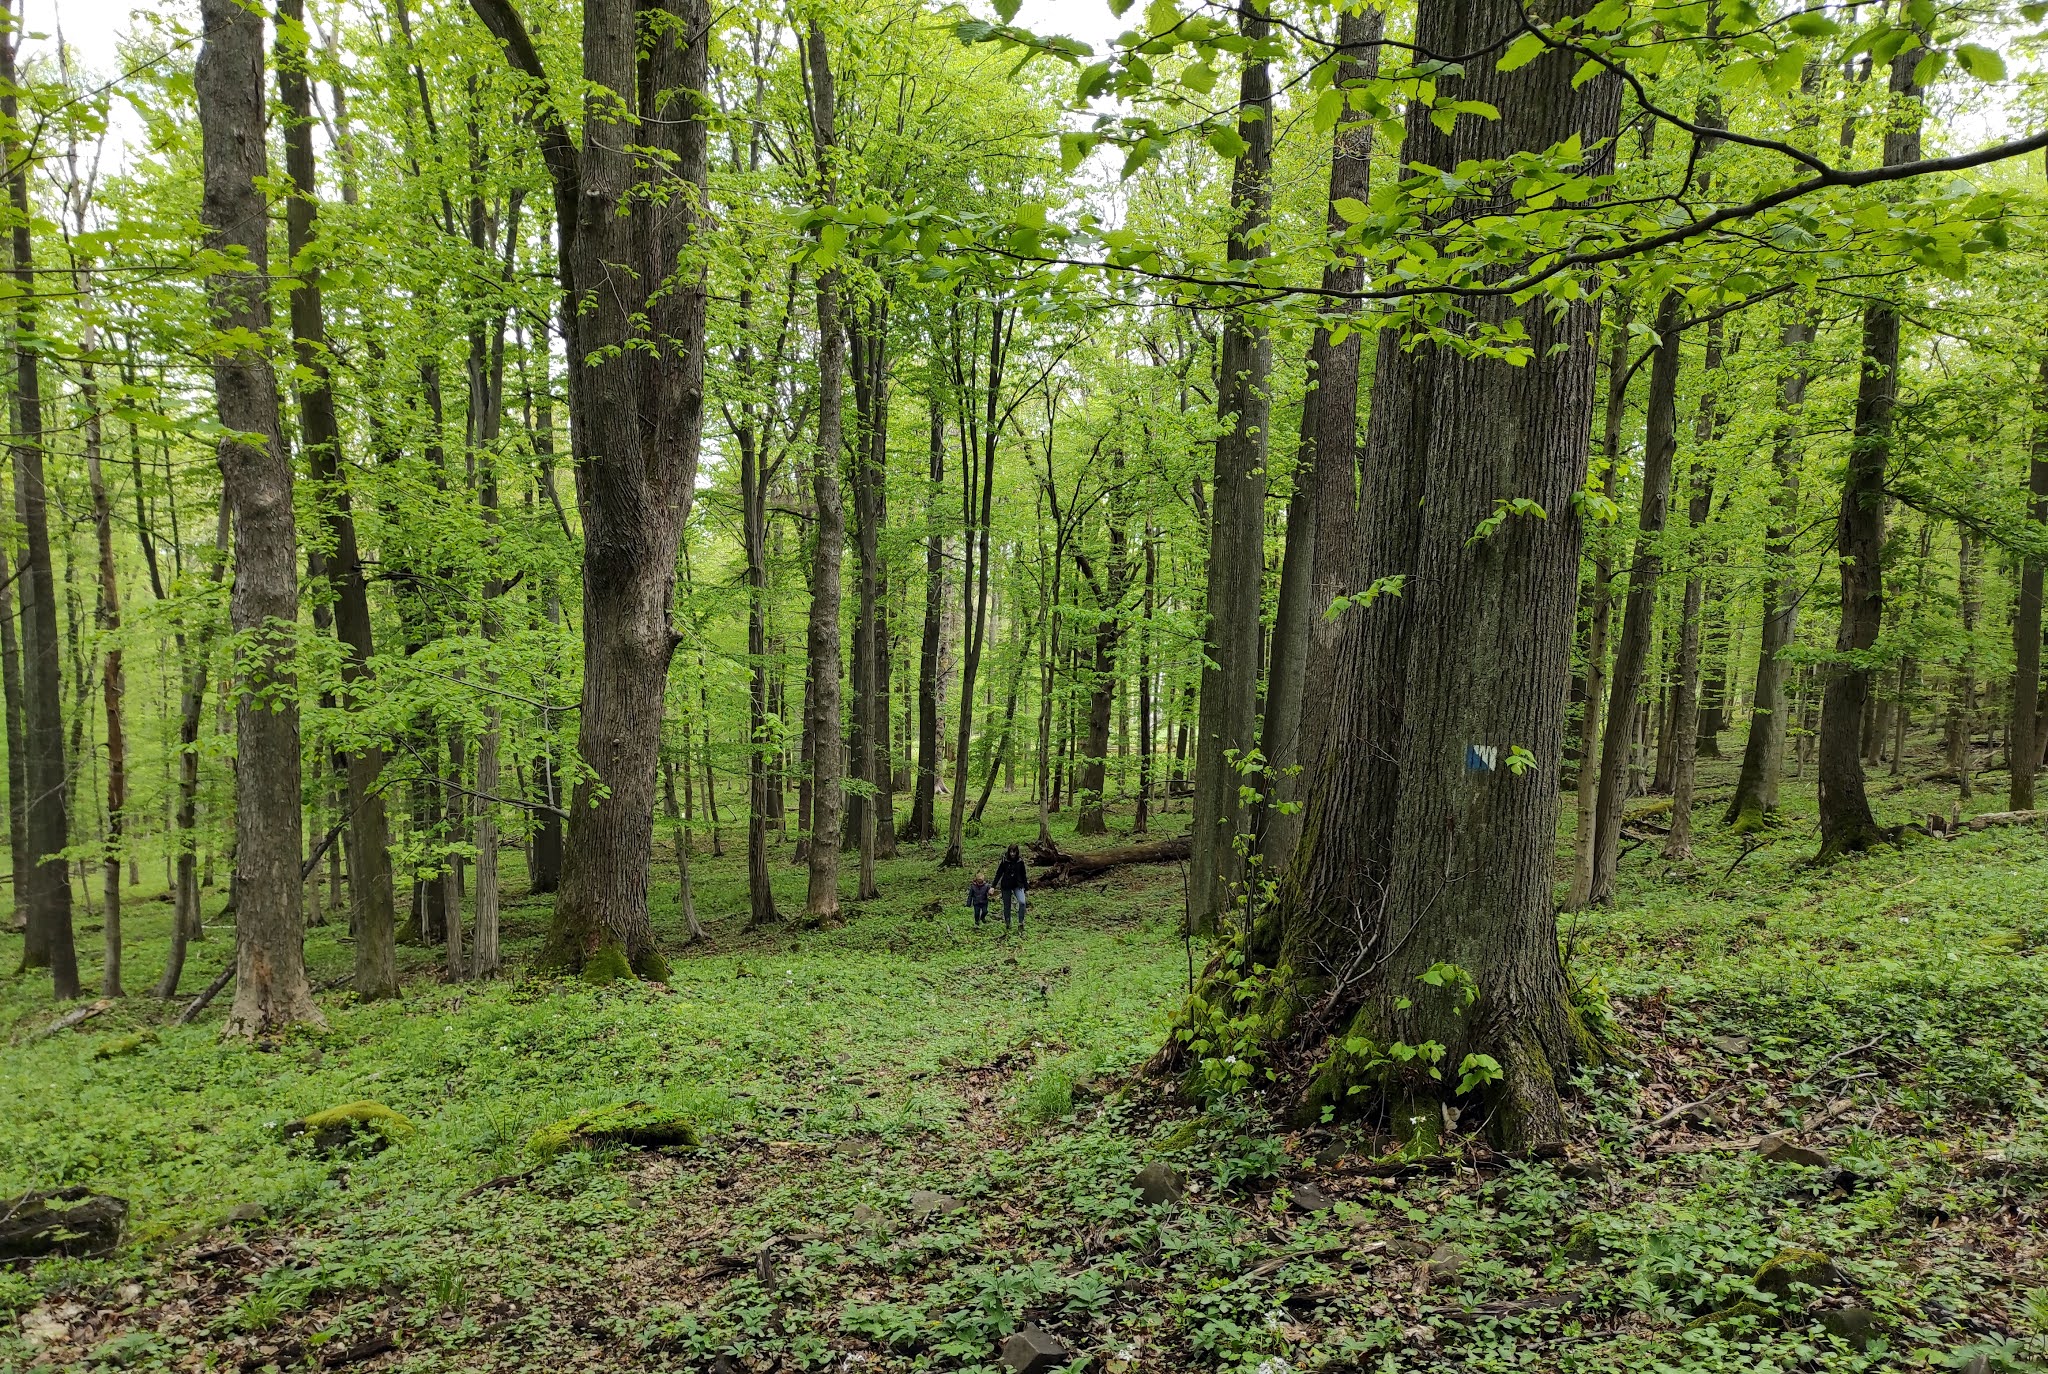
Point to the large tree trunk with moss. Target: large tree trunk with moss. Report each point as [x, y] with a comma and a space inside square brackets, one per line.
[1632, 650]
[1431, 822]
[1763, 753]
[1228, 721]
[636, 402]
[271, 990]
[1846, 822]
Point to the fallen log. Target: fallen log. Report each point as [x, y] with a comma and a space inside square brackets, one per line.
[1991, 818]
[75, 1017]
[1063, 869]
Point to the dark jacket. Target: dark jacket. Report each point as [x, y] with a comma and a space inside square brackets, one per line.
[1010, 875]
[977, 893]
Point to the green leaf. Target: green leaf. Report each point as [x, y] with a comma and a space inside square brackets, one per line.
[1813, 26]
[1980, 61]
[831, 238]
[1520, 53]
[1093, 78]
[1350, 209]
[1199, 77]
[1929, 67]
[1329, 108]
[1006, 10]
[973, 30]
[1227, 143]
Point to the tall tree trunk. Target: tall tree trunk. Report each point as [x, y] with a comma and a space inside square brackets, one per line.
[546, 872]
[1230, 671]
[17, 748]
[271, 990]
[1963, 709]
[1431, 822]
[1846, 823]
[754, 480]
[1685, 715]
[49, 942]
[1763, 753]
[1141, 821]
[373, 917]
[921, 826]
[2023, 738]
[194, 669]
[1631, 651]
[1320, 563]
[636, 406]
[686, 900]
[977, 494]
[868, 341]
[828, 795]
[1599, 620]
[1109, 596]
[113, 682]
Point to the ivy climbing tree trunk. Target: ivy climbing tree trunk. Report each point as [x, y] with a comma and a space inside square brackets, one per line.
[271, 990]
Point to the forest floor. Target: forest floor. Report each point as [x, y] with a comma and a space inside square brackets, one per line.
[919, 1136]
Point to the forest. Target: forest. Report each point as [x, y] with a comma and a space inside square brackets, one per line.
[1470, 572]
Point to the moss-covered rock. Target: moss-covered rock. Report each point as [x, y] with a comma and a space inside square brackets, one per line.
[370, 1126]
[125, 1044]
[606, 964]
[1789, 1267]
[623, 1123]
[651, 966]
[1730, 1320]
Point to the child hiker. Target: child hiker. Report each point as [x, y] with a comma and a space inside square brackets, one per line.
[977, 898]
[1010, 879]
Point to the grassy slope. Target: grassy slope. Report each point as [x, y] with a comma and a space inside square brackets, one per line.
[838, 1071]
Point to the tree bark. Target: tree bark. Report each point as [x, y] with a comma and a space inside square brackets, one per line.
[1631, 651]
[828, 795]
[271, 990]
[977, 494]
[922, 823]
[1763, 753]
[2023, 742]
[1319, 564]
[194, 668]
[49, 942]
[1228, 722]
[1141, 819]
[1685, 715]
[1846, 823]
[1431, 822]
[113, 681]
[374, 916]
[1962, 723]
[868, 343]
[636, 407]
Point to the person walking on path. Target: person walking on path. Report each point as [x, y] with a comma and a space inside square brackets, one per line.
[977, 898]
[1012, 882]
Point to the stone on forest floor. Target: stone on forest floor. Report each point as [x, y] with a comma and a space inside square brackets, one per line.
[623, 1123]
[370, 1125]
[1582, 1245]
[1032, 1351]
[1780, 1150]
[1159, 1184]
[1584, 1171]
[71, 1221]
[926, 1203]
[1729, 1320]
[1789, 1267]
[1309, 1198]
[1730, 1044]
[1446, 1264]
[1855, 1327]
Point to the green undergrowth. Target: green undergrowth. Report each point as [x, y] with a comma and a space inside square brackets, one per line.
[914, 1137]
